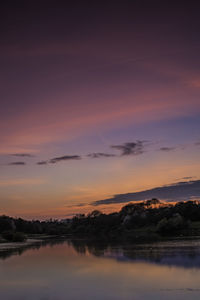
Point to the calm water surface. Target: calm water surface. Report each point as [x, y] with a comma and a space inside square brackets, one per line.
[76, 270]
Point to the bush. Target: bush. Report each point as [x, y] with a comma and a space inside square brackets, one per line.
[19, 237]
[171, 225]
[14, 236]
[8, 235]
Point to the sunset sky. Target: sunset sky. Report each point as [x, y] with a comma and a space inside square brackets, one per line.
[96, 100]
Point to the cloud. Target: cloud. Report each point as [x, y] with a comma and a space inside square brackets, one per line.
[126, 149]
[64, 158]
[22, 155]
[197, 143]
[133, 148]
[180, 191]
[42, 162]
[17, 163]
[99, 155]
[58, 159]
[77, 205]
[167, 149]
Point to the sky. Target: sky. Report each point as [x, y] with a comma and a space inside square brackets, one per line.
[97, 99]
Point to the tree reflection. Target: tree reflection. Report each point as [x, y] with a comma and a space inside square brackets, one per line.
[173, 253]
[182, 253]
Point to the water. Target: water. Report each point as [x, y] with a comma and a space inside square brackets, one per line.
[79, 270]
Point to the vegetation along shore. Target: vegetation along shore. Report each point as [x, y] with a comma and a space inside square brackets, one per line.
[142, 221]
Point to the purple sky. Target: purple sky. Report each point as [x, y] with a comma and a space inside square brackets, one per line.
[96, 100]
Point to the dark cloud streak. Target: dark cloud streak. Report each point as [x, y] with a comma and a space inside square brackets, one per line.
[17, 163]
[22, 155]
[126, 149]
[99, 155]
[180, 191]
[133, 148]
[64, 158]
[42, 163]
[167, 149]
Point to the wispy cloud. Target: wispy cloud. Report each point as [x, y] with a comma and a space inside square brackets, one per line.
[17, 163]
[22, 155]
[77, 205]
[59, 159]
[167, 149]
[126, 149]
[99, 155]
[64, 158]
[44, 162]
[180, 191]
[133, 148]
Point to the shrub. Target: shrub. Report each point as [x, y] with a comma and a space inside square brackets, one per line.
[14, 236]
[19, 237]
[170, 225]
[8, 235]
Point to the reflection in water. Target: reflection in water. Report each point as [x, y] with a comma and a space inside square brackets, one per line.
[174, 253]
[4, 254]
[184, 253]
[78, 269]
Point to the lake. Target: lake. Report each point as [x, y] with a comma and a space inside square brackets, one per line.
[78, 270]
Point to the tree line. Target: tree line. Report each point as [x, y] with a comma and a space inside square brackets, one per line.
[147, 219]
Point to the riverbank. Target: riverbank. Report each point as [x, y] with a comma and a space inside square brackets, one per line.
[31, 240]
[6, 246]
